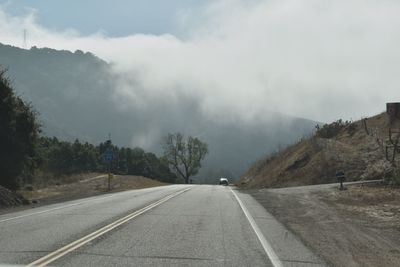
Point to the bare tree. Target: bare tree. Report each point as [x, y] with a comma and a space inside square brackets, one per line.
[184, 155]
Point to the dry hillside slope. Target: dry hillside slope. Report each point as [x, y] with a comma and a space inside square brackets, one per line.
[357, 150]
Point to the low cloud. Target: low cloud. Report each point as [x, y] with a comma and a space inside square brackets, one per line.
[315, 59]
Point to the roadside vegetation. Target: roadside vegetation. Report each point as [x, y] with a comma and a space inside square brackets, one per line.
[330, 130]
[19, 133]
[60, 158]
[184, 155]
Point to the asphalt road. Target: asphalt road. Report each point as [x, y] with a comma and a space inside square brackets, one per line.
[177, 225]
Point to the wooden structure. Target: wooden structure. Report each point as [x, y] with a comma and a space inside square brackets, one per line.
[392, 146]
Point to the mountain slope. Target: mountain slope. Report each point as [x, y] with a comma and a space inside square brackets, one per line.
[76, 96]
[71, 91]
[315, 160]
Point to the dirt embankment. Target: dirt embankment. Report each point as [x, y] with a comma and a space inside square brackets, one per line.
[356, 227]
[10, 199]
[355, 149]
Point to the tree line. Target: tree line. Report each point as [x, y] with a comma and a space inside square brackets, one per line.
[62, 157]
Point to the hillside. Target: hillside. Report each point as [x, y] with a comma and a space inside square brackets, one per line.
[77, 95]
[354, 148]
[72, 92]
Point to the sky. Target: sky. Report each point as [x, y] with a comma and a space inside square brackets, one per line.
[316, 59]
[115, 18]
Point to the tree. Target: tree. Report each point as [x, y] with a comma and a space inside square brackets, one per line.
[18, 135]
[184, 155]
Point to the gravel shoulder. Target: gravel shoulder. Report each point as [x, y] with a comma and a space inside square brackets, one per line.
[356, 227]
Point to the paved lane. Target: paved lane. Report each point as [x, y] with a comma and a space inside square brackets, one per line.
[202, 227]
[31, 234]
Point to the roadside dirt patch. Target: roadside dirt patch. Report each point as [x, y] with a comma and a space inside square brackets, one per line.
[380, 204]
[356, 227]
[87, 185]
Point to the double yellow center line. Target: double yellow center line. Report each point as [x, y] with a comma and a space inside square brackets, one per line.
[86, 239]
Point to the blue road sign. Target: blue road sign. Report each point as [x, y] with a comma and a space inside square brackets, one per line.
[108, 155]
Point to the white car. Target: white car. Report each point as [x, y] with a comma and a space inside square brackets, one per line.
[223, 181]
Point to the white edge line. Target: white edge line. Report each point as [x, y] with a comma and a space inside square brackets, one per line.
[43, 261]
[265, 244]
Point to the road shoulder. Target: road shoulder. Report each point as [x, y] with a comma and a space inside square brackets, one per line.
[334, 229]
[289, 249]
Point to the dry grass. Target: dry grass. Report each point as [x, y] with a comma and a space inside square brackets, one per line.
[315, 160]
[43, 179]
[85, 185]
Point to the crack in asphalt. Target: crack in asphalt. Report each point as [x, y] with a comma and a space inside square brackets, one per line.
[300, 261]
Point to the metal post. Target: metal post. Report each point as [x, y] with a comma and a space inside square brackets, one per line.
[341, 185]
[109, 176]
[340, 176]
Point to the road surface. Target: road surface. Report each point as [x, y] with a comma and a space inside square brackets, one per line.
[177, 225]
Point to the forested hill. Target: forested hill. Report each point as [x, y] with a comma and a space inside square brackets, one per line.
[74, 94]
[71, 91]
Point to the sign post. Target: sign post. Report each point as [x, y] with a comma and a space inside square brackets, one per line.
[341, 177]
[108, 158]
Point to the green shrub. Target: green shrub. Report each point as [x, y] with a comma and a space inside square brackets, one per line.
[333, 129]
